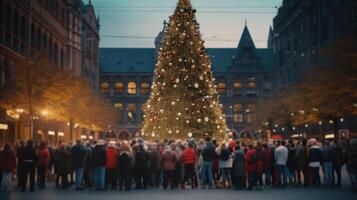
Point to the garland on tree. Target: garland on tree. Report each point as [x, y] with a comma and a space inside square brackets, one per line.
[184, 101]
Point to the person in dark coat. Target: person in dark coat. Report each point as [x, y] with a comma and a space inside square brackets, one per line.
[154, 168]
[352, 162]
[20, 162]
[29, 158]
[99, 159]
[142, 163]
[301, 163]
[79, 155]
[291, 164]
[64, 165]
[125, 165]
[315, 159]
[238, 168]
[208, 155]
[88, 167]
[337, 163]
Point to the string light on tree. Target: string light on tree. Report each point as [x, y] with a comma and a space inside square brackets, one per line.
[183, 84]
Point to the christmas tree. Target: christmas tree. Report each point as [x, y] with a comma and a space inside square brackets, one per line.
[183, 101]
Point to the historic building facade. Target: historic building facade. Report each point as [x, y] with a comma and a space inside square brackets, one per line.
[243, 75]
[302, 27]
[61, 29]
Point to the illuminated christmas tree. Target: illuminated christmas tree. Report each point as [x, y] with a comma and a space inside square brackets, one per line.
[184, 100]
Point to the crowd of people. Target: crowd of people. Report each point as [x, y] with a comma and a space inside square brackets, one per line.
[175, 164]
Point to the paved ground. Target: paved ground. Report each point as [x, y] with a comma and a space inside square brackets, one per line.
[290, 193]
[269, 194]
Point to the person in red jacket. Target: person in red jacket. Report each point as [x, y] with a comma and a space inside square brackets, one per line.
[251, 166]
[8, 166]
[43, 162]
[189, 159]
[111, 165]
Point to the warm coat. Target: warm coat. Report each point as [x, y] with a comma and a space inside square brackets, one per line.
[169, 160]
[337, 157]
[189, 156]
[225, 160]
[250, 161]
[301, 157]
[79, 156]
[154, 157]
[29, 155]
[281, 155]
[7, 160]
[352, 156]
[125, 160]
[238, 163]
[99, 156]
[259, 161]
[267, 159]
[142, 161]
[315, 156]
[63, 163]
[44, 157]
[209, 152]
[111, 161]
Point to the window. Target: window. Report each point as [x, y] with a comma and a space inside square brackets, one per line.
[221, 88]
[250, 108]
[237, 107]
[250, 118]
[131, 88]
[118, 87]
[119, 108]
[145, 88]
[237, 85]
[251, 85]
[238, 117]
[105, 87]
[131, 110]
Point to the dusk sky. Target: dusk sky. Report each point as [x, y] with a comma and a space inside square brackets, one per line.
[135, 23]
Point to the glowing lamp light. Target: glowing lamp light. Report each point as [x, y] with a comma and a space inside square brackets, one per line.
[51, 133]
[61, 134]
[91, 137]
[83, 136]
[342, 119]
[331, 122]
[294, 128]
[306, 125]
[4, 126]
[320, 122]
[189, 134]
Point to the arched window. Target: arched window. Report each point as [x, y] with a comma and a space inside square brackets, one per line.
[250, 108]
[237, 85]
[221, 88]
[144, 88]
[251, 85]
[131, 110]
[105, 87]
[119, 108]
[118, 87]
[237, 107]
[131, 87]
[238, 116]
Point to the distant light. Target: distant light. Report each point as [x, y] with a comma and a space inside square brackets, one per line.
[274, 130]
[320, 122]
[91, 137]
[283, 129]
[294, 128]
[61, 134]
[331, 122]
[330, 136]
[44, 112]
[306, 125]
[51, 133]
[276, 125]
[342, 119]
[83, 136]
